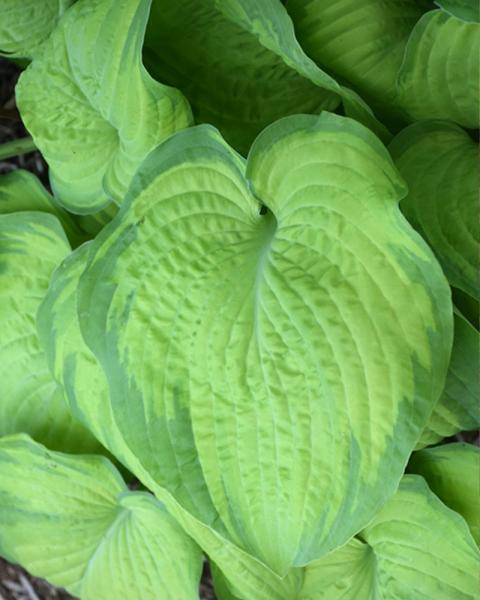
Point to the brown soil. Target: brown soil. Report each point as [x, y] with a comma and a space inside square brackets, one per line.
[17, 584]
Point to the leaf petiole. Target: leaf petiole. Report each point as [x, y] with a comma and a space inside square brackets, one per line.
[17, 147]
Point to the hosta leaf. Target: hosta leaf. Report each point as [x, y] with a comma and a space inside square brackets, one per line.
[347, 574]
[452, 471]
[241, 374]
[72, 521]
[439, 162]
[95, 222]
[414, 548]
[222, 590]
[25, 25]
[439, 74]
[468, 306]
[146, 556]
[245, 572]
[21, 191]
[32, 244]
[463, 9]
[54, 508]
[362, 41]
[239, 64]
[71, 362]
[91, 107]
[397, 556]
[251, 581]
[459, 406]
[77, 370]
[407, 64]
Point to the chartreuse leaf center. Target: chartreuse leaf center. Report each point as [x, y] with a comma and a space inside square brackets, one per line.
[272, 371]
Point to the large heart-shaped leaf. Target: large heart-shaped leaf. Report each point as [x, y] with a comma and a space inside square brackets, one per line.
[90, 105]
[240, 65]
[459, 406]
[453, 471]
[73, 521]
[414, 548]
[21, 191]
[289, 360]
[439, 162]
[32, 244]
[25, 25]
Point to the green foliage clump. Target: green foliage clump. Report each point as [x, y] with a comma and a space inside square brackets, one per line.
[239, 292]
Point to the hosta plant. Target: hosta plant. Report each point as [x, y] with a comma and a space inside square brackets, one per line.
[238, 291]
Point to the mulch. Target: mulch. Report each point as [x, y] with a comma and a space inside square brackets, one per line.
[17, 584]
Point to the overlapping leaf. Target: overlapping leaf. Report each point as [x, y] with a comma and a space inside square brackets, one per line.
[363, 41]
[32, 244]
[414, 548]
[468, 306]
[146, 556]
[463, 9]
[240, 65]
[91, 107]
[21, 191]
[408, 63]
[24, 26]
[95, 222]
[73, 521]
[439, 74]
[228, 582]
[453, 473]
[241, 372]
[439, 162]
[459, 406]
